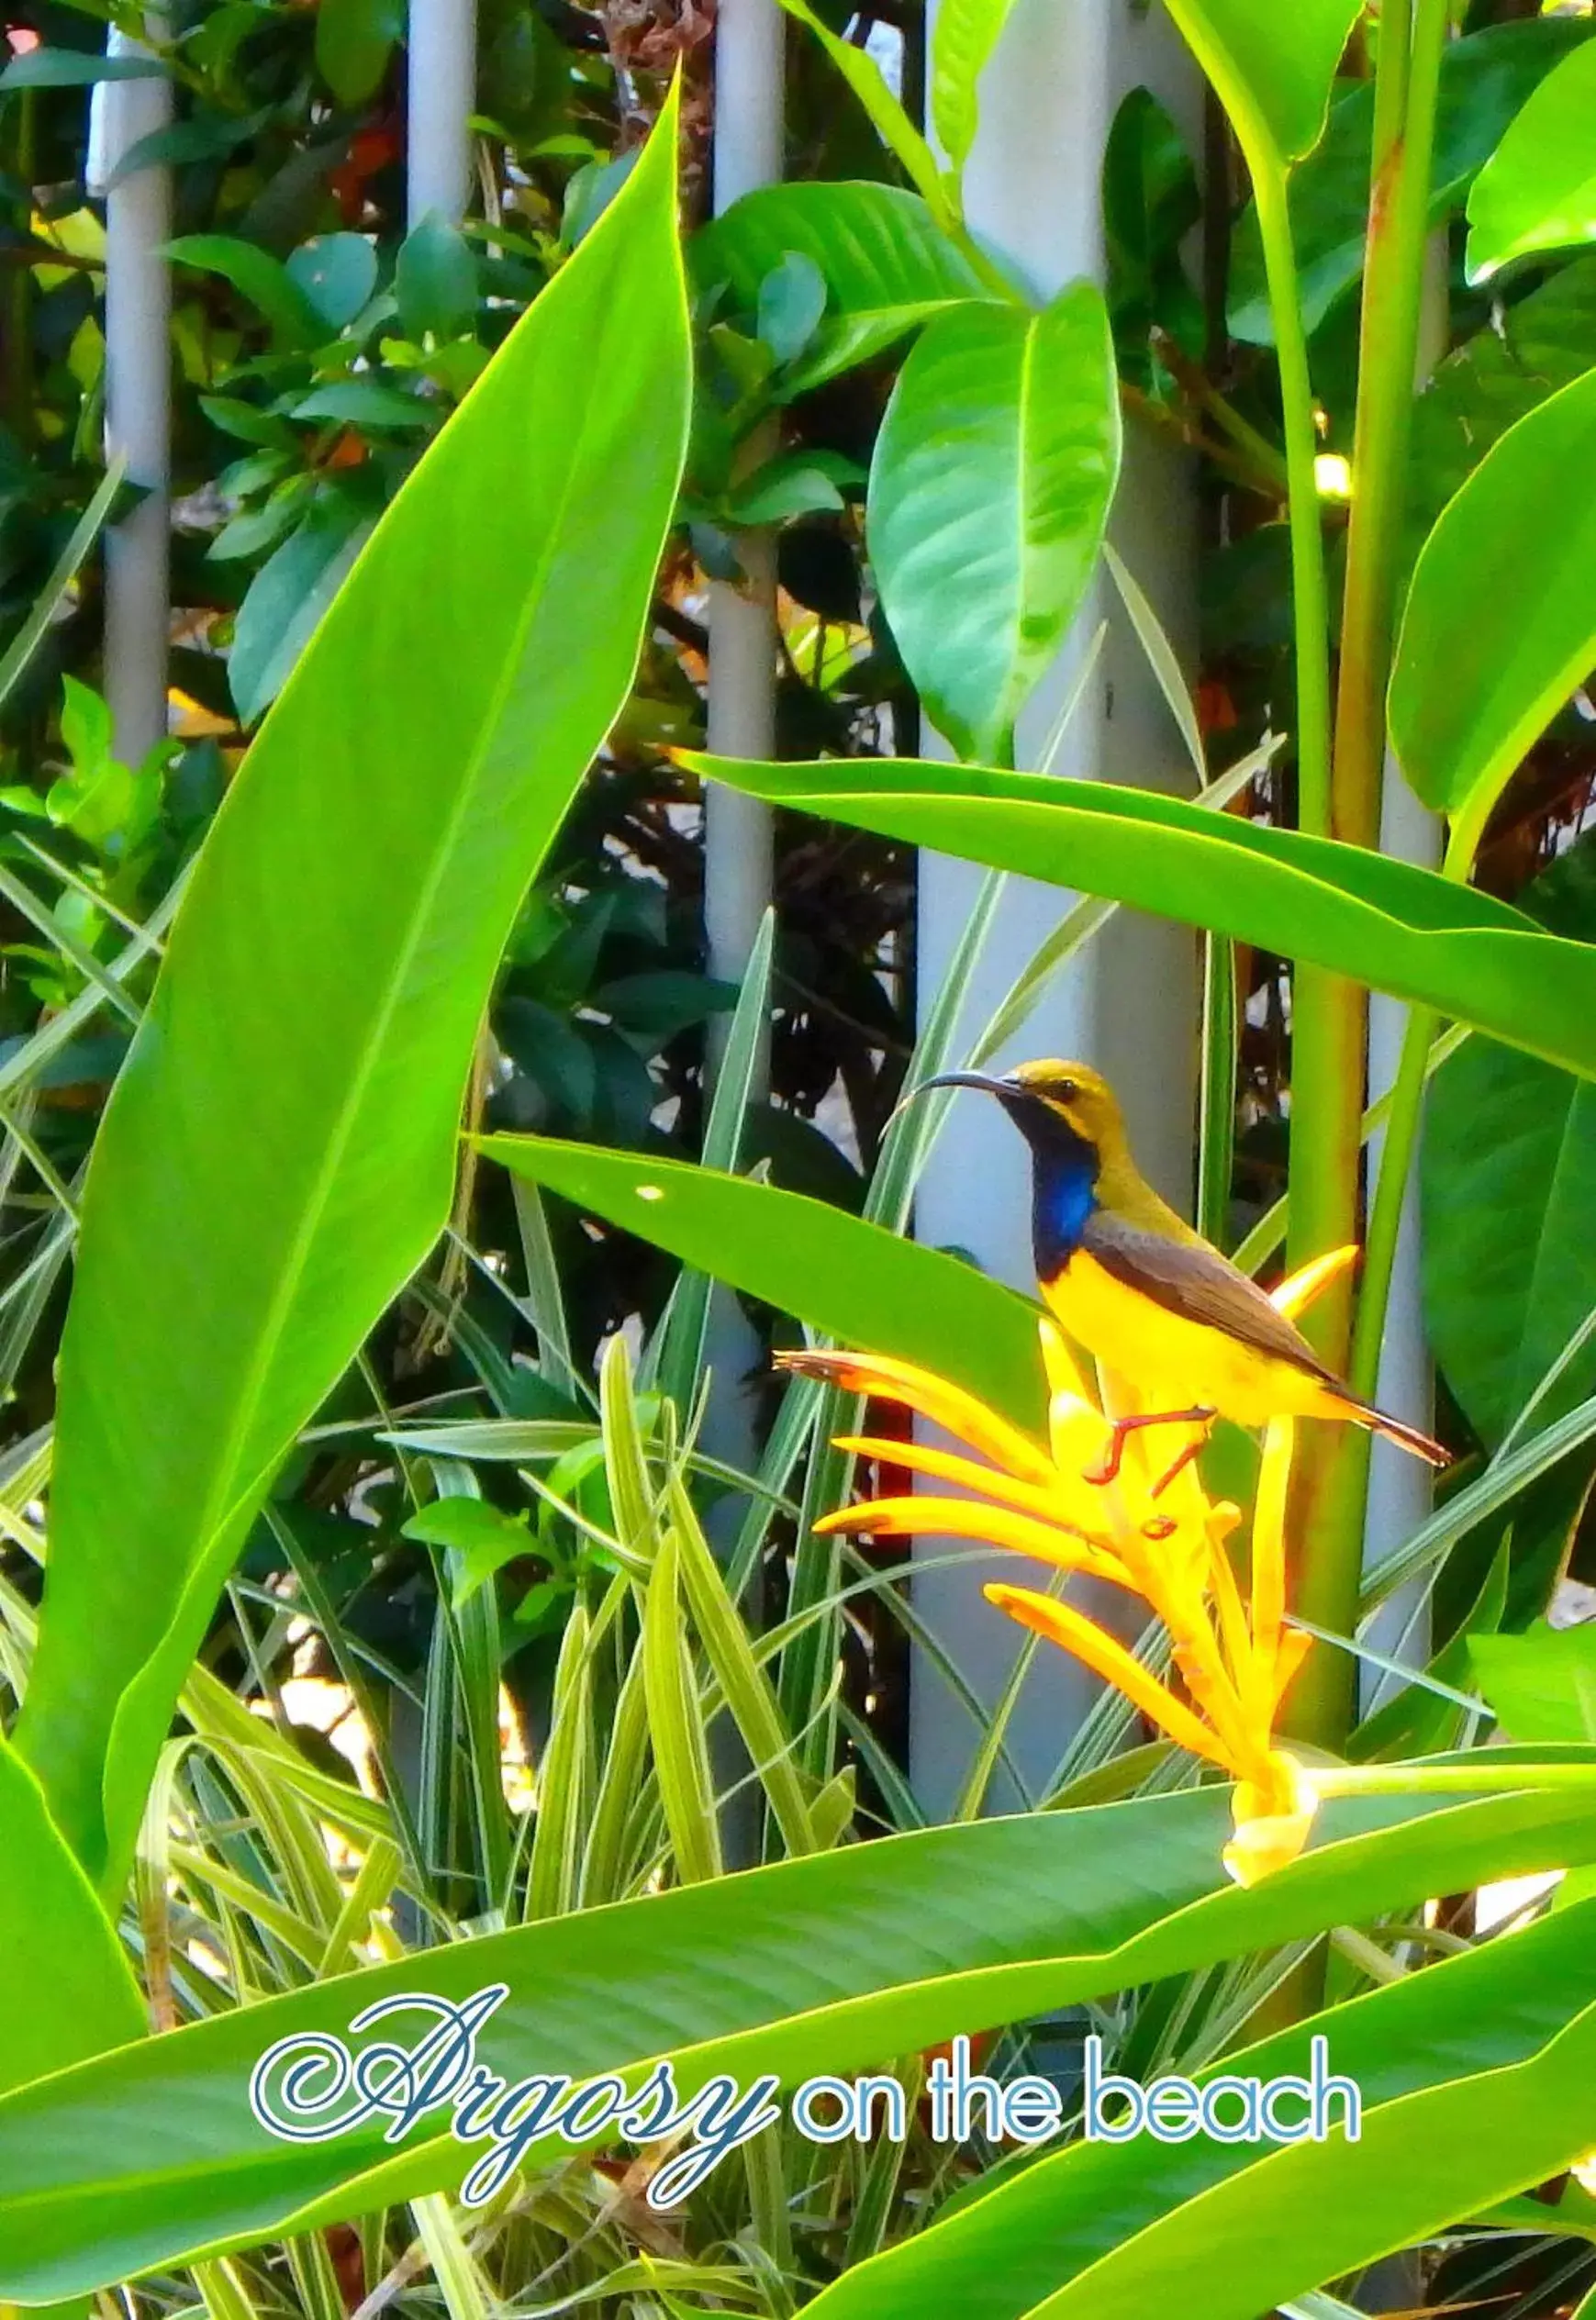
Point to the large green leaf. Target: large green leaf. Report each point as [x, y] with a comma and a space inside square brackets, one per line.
[1509, 1160]
[988, 493]
[1501, 620]
[1474, 2079]
[68, 1992]
[1509, 1151]
[1272, 67]
[1151, 202]
[1542, 1684]
[886, 265]
[1484, 81]
[279, 1152]
[354, 42]
[1539, 344]
[1538, 189]
[963, 35]
[1399, 929]
[266, 280]
[875, 246]
[75, 69]
[288, 595]
[833, 1962]
[853, 1280]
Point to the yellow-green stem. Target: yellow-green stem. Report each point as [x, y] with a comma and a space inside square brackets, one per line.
[16, 384]
[1406, 91]
[1311, 614]
[1330, 1024]
[1326, 1031]
[1448, 1780]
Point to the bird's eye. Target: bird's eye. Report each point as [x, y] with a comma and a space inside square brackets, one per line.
[1068, 1090]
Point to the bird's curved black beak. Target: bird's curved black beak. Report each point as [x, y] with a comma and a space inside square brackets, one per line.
[1002, 1088]
[1006, 1090]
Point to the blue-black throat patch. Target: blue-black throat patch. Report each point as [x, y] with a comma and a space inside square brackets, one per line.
[1064, 1177]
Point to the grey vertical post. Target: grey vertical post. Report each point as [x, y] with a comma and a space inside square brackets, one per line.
[748, 135]
[748, 152]
[1401, 1490]
[1129, 1003]
[137, 396]
[441, 96]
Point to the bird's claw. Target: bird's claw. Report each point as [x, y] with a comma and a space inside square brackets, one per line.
[1202, 1415]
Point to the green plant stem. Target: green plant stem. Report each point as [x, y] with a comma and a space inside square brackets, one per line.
[1406, 89]
[1448, 1780]
[1405, 119]
[1311, 613]
[1330, 1027]
[16, 386]
[1327, 1028]
[992, 275]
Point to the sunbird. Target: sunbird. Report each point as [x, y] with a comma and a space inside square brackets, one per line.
[1145, 1294]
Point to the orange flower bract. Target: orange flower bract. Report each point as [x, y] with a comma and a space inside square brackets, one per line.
[1150, 1531]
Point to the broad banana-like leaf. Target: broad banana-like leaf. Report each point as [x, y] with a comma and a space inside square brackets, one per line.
[989, 490]
[1474, 2080]
[1272, 67]
[833, 1962]
[1401, 930]
[68, 1990]
[279, 1151]
[1501, 620]
[855, 1281]
[1538, 189]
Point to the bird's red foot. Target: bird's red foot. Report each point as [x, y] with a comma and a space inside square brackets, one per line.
[1202, 1415]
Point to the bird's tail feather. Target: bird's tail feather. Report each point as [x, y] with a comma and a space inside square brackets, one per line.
[1397, 1430]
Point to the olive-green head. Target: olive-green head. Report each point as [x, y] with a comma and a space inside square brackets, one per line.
[1051, 1102]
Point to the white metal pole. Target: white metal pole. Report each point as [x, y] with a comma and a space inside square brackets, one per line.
[1128, 1004]
[741, 723]
[1400, 1487]
[749, 51]
[138, 396]
[440, 96]
[748, 139]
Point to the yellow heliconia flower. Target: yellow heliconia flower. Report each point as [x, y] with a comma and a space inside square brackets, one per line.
[1151, 1529]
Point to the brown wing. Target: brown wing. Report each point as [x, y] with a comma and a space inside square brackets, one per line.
[1193, 1280]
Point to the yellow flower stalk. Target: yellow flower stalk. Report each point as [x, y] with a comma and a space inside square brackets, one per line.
[1151, 1529]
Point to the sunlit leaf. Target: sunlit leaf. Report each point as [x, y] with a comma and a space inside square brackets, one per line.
[1542, 1684]
[279, 1152]
[56, 1945]
[989, 493]
[886, 265]
[1272, 66]
[1474, 2083]
[853, 1280]
[1538, 189]
[1500, 621]
[1485, 78]
[1396, 928]
[963, 35]
[842, 1961]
